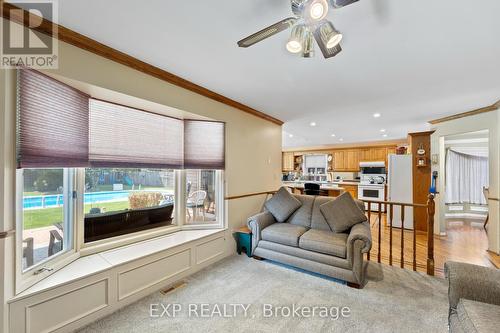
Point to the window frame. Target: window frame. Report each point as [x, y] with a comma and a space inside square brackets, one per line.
[180, 197]
[220, 212]
[80, 249]
[27, 278]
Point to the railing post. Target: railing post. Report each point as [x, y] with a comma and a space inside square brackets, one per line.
[431, 209]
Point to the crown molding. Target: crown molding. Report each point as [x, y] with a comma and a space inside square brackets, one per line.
[83, 42]
[485, 109]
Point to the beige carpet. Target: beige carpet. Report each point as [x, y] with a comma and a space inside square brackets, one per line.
[394, 300]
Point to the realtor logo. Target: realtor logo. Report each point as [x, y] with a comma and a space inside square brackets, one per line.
[25, 45]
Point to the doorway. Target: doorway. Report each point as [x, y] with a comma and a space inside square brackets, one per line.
[466, 184]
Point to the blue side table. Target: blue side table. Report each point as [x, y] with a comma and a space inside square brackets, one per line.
[243, 237]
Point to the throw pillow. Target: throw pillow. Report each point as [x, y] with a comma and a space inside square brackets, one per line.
[282, 205]
[342, 213]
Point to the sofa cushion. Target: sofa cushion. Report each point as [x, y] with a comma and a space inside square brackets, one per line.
[342, 213]
[326, 242]
[283, 233]
[318, 221]
[477, 316]
[302, 216]
[282, 205]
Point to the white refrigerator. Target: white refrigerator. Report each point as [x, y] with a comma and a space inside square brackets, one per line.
[400, 189]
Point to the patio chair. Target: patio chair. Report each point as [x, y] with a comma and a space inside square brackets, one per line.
[28, 251]
[196, 201]
[55, 239]
[95, 210]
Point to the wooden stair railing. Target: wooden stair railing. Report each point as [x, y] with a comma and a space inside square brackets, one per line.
[429, 206]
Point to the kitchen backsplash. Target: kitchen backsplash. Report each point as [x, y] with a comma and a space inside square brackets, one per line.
[345, 175]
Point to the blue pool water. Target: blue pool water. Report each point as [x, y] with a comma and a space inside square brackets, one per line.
[48, 201]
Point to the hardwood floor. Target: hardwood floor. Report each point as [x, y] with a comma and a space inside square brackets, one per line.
[494, 258]
[466, 241]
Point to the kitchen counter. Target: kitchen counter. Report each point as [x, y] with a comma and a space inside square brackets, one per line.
[342, 182]
[323, 186]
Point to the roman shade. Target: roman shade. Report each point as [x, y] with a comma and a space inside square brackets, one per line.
[204, 144]
[121, 136]
[52, 122]
[59, 126]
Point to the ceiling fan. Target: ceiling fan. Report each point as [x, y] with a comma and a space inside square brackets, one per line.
[308, 23]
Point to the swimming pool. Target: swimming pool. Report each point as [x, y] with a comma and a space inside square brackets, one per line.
[48, 201]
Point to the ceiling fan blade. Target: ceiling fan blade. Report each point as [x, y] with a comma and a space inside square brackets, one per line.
[327, 52]
[267, 32]
[342, 3]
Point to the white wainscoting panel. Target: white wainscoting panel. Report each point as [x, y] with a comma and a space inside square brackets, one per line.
[139, 278]
[74, 299]
[209, 250]
[51, 314]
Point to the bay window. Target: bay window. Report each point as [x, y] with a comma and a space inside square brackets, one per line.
[94, 174]
[202, 197]
[45, 197]
[123, 201]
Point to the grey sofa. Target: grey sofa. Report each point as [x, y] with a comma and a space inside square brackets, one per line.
[474, 296]
[306, 241]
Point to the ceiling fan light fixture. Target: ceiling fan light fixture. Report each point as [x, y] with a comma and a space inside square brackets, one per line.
[297, 39]
[329, 35]
[308, 51]
[317, 10]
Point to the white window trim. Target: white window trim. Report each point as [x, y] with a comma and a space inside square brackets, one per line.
[27, 278]
[219, 222]
[179, 218]
[79, 249]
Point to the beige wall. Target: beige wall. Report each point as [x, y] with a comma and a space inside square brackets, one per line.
[7, 169]
[485, 121]
[253, 145]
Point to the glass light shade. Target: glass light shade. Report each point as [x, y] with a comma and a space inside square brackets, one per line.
[297, 39]
[308, 51]
[317, 10]
[329, 35]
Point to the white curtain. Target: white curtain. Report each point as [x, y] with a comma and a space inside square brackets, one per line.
[466, 174]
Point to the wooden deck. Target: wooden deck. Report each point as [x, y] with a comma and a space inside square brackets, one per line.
[466, 241]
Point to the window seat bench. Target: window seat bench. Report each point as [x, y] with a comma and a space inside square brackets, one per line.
[96, 285]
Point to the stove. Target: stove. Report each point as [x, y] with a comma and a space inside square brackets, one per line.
[372, 184]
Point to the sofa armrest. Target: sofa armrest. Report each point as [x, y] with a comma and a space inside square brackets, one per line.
[360, 231]
[257, 223]
[472, 282]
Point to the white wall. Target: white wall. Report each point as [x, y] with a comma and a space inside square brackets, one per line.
[484, 121]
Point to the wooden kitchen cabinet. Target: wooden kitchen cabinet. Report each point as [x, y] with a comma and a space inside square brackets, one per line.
[339, 160]
[351, 160]
[378, 154]
[344, 159]
[287, 161]
[364, 155]
[352, 189]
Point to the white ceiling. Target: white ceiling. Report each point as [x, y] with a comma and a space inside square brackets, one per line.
[409, 60]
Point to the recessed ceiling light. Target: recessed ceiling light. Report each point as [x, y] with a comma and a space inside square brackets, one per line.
[341, 139]
[333, 135]
[290, 135]
[312, 123]
[382, 130]
[385, 135]
[376, 115]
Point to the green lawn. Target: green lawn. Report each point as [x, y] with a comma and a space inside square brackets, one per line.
[38, 218]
